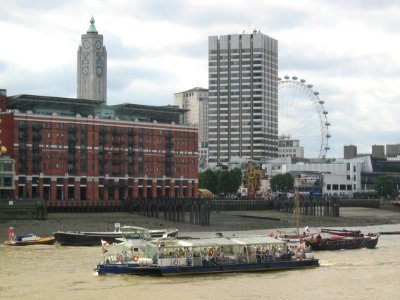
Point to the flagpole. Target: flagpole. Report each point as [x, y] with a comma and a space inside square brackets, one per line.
[297, 209]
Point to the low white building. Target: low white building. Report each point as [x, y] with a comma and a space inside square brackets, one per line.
[341, 177]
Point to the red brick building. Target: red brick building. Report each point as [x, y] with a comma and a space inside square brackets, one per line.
[79, 150]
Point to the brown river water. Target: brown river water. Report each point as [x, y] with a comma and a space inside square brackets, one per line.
[59, 272]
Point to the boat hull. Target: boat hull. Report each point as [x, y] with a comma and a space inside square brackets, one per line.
[42, 241]
[135, 269]
[350, 243]
[94, 238]
[86, 239]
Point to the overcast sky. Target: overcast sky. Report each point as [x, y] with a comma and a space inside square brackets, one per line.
[348, 49]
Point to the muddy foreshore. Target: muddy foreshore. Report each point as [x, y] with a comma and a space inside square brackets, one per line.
[220, 221]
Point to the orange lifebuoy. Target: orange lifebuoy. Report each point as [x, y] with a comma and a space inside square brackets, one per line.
[136, 258]
[175, 262]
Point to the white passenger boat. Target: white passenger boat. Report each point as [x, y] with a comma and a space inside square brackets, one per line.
[204, 256]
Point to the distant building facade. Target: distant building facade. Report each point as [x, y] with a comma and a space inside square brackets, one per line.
[378, 151]
[392, 150]
[82, 151]
[243, 97]
[92, 66]
[7, 174]
[340, 178]
[349, 151]
[290, 148]
[196, 102]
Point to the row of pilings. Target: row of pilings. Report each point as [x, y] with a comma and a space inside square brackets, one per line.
[198, 210]
[192, 210]
[309, 205]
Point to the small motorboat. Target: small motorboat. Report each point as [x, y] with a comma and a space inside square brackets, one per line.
[293, 237]
[30, 239]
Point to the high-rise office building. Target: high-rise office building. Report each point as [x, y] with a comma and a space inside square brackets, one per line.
[243, 97]
[92, 66]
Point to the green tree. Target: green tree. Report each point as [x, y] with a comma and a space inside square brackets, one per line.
[236, 175]
[282, 183]
[224, 182]
[221, 181]
[208, 180]
[384, 185]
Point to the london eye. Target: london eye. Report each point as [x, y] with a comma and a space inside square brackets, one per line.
[302, 116]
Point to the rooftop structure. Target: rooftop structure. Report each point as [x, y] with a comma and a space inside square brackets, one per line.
[44, 105]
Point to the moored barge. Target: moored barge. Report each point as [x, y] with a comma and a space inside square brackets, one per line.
[94, 238]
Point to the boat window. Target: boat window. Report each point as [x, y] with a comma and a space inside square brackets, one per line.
[133, 235]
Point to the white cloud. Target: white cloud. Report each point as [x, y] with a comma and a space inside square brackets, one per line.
[347, 49]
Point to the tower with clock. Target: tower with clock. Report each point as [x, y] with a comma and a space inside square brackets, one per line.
[92, 66]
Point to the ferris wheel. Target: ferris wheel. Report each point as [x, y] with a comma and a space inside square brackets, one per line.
[302, 116]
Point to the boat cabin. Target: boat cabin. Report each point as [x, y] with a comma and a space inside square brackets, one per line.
[135, 233]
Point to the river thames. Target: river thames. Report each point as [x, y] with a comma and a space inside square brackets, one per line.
[59, 272]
